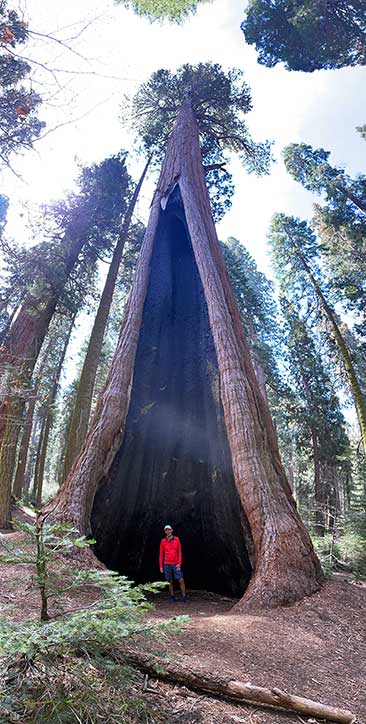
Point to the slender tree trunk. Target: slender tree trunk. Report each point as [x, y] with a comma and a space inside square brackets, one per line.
[32, 457]
[286, 567]
[18, 357]
[335, 482]
[81, 413]
[355, 199]
[347, 491]
[38, 483]
[23, 450]
[39, 461]
[41, 567]
[291, 469]
[330, 500]
[5, 331]
[14, 422]
[318, 489]
[358, 397]
[27, 431]
[46, 427]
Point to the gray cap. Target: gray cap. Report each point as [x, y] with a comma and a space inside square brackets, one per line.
[168, 526]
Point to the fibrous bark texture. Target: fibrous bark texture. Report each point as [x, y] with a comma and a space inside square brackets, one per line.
[285, 565]
[18, 357]
[174, 463]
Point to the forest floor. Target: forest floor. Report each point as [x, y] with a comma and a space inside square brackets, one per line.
[315, 648]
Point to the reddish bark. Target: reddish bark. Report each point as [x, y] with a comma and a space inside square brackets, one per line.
[286, 567]
[47, 422]
[23, 451]
[18, 357]
[257, 362]
[27, 430]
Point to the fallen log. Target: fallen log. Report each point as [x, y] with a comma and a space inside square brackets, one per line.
[235, 690]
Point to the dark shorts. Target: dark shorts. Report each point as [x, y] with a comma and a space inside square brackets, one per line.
[172, 571]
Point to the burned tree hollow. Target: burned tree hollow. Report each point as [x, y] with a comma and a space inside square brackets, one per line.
[174, 464]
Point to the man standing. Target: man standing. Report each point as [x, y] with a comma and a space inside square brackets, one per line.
[170, 561]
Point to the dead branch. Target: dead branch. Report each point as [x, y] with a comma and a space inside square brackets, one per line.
[235, 690]
[213, 166]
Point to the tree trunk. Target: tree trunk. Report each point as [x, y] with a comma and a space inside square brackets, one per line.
[32, 458]
[18, 357]
[5, 331]
[23, 450]
[286, 567]
[355, 199]
[81, 413]
[359, 400]
[46, 427]
[318, 489]
[336, 488]
[27, 431]
[39, 467]
[12, 413]
[291, 469]
[347, 491]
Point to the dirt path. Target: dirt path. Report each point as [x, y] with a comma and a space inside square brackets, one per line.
[315, 648]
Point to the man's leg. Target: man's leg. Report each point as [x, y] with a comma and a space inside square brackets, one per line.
[168, 573]
[179, 576]
[182, 587]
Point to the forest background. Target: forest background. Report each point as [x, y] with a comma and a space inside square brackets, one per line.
[84, 83]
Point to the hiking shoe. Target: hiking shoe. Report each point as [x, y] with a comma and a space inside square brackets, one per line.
[184, 599]
[172, 599]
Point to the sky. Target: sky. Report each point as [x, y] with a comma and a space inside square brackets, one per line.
[113, 51]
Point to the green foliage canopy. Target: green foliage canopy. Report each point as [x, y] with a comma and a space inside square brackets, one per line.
[320, 409]
[312, 169]
[173, 10]
[297, 259]
[92, 215]
[220, 101]
[340, 224]
[291, 241]
[19, 125]
[253, 291]
[307, 35]
[343, 245]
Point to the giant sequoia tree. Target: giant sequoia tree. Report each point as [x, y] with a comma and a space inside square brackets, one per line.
[181, 427]
[220, 101]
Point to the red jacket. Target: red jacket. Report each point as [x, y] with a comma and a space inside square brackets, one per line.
[170, 552]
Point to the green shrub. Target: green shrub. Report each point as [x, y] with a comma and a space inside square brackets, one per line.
[63, 670]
